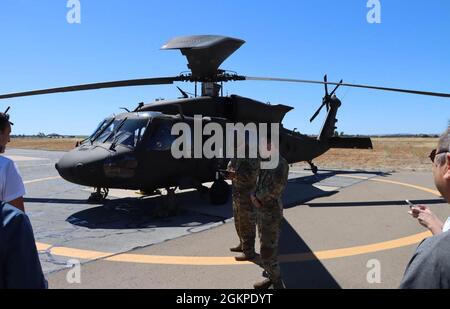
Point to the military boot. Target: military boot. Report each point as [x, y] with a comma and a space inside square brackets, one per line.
[263, 285]
[278, 285]
[249, 256]
[238, 248]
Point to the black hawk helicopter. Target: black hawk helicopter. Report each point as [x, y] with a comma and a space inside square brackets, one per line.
[133, 150]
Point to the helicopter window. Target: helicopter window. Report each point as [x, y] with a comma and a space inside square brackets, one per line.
[162, 137]
[128, 133]
[94, 136]
[99, 127]
[110, 126]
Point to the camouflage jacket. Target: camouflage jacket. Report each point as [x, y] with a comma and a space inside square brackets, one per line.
[271, 183]
[247, 171]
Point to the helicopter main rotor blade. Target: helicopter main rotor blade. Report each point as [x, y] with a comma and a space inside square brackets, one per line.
[434, 94]
[114, 84]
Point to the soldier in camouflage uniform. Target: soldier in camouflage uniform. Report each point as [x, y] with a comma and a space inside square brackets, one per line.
[267, 199]
[244, 173]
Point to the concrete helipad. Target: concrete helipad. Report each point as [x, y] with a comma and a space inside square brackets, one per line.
[339, 227]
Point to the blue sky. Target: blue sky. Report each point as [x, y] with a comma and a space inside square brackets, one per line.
[295, 39]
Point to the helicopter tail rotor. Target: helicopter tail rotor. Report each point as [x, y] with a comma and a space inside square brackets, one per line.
[327, 98]
[7, 115]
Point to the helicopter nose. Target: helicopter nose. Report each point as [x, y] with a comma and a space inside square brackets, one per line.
[82, 167]
[66, 169]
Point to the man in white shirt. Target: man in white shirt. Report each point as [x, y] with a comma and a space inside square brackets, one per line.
[20, 267]
[12, 188]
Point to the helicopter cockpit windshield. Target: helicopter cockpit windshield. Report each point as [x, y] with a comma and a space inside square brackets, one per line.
[100, 128]
[124, 131]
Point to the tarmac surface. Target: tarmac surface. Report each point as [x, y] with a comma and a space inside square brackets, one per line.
[342, 229]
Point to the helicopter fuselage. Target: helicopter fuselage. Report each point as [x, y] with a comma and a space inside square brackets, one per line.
[134, 150]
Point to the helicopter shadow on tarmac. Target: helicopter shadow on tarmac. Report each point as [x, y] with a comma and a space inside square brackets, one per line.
[309, 273]
[192, 207]
[302, 189]
[144, 212]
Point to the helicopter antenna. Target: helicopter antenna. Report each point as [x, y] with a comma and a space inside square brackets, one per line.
[139, 107]
[125, 109]
[183, 93]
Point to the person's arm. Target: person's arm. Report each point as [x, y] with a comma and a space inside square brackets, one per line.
[14, 188]
[255, 200]
[273, 183]
[18, 203]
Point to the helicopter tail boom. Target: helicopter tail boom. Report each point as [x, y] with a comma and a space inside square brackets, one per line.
[350, 142]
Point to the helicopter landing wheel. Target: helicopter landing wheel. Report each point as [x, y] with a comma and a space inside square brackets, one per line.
[219, 192]
[171, 200]
[169, 206]
[314, 168]
[99, 196]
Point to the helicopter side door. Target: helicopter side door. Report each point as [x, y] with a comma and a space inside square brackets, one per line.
[158, 167]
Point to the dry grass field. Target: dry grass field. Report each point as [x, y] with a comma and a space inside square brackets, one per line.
[389, 154]
[53, 144]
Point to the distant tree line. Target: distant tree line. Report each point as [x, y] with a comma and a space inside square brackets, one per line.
[43, 135]
[342, 134]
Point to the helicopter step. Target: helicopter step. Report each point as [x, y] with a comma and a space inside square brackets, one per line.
[170, 206]
[99, 196]
[314, 168]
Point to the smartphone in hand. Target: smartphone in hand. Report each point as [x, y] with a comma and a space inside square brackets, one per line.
[411, 205]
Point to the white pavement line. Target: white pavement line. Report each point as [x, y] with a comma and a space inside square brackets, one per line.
[24, 159]
[41, 180]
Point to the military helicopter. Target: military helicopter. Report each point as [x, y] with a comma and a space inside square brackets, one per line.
[133, 150]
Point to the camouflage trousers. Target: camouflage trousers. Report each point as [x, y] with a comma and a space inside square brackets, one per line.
[270, 219]
[244, 213]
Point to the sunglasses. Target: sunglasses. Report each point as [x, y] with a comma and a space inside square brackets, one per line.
[434, 153]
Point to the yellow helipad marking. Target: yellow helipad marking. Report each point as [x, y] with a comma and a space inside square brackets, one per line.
[345, 252]
[22, 158]
[224, 261]
[393, 182]
[227, 261]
